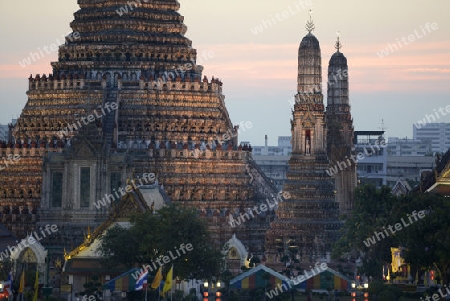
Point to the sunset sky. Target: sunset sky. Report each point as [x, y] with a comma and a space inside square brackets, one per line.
[257, 61]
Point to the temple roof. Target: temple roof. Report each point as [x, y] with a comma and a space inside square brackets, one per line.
[438, 181]
[144, 34]
[132, 202]
[117, 22]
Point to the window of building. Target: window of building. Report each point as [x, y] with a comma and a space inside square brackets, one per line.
[56, 195]
[85, 186]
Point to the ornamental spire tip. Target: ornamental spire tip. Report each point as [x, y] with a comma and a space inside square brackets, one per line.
[338, 44]
[310, 24]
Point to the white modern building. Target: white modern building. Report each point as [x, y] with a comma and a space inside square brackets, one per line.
[284, 148]
[384, 162]
[408, 147]
[408, 168]
[372, 167]
[4, 132]
[437, 133]
[273, 160]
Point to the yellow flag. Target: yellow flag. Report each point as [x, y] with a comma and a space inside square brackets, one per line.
[36, 287]
[22, 282]
[168, 284]
[158, 278]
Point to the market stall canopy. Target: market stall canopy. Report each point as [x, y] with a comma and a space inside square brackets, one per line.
[123, 283]
[254, 278]
[328, 279]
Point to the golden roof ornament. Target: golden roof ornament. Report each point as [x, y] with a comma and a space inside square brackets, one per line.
[338, 44]
[310, 24]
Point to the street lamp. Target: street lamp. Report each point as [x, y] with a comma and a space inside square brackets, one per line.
[366, 293]
[205, 292]
[362, 288]
[218, 293]
[353, 293]
[215, 287]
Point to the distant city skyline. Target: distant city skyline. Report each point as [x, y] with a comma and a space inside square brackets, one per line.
[399, 65]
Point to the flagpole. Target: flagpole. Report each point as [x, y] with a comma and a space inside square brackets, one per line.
[146, 289]
[171, 289]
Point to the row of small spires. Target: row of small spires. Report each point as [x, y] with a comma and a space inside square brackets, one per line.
[16, 210]
[33, 144]
[142, 77]
[59, 144]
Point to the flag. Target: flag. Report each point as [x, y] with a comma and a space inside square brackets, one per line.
[36, 287]
[22, 282]
[141, 280]
[158, 278]
[161, 287]
[168, 284]
[8, 285]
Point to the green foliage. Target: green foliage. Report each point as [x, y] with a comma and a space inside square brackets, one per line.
[92, 288]
[413, 295]
[178, 295]
[284, 259]
[244, 268]
[371, 212]
[192, 295]
[53, 298]
[5, 267]
[152, 236]
[425, 242]
[376, 287]
[254, 261]
[226, 277]
[422, 240]
[395, 289]
[387, 295]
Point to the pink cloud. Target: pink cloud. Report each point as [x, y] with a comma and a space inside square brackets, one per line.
[415, 67]
[411, 68]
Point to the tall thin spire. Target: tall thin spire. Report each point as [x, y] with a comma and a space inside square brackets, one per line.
[309, 78]
[338, 44]
[310, 23]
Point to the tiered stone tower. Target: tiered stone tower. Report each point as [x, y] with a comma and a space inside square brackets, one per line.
[340, 130]
[125, 98]
[306, 225]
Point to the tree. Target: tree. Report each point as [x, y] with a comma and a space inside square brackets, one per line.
[174, 235]
[92, 289]
[370, 214]
[254, 261]
[421, 238]
[387, 296]
[424, 242]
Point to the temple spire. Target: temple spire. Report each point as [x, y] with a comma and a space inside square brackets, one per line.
[310, 23]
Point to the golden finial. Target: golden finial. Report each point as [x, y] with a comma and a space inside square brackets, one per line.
[310, 24]
[58, 263]
[338, 44]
